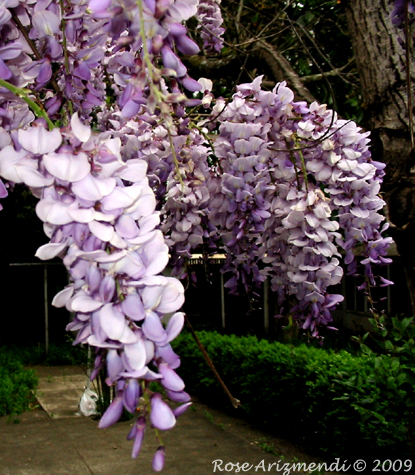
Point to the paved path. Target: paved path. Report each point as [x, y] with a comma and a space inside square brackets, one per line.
[56, 441]
[60, 389]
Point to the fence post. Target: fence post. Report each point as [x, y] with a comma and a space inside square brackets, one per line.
[46, 303]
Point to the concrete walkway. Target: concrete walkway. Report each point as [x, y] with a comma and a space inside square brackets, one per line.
[56, 441]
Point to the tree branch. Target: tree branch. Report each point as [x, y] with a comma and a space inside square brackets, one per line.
[206, 64]
[235, 402]
[238, 16]
[282, 70]
[319, 77]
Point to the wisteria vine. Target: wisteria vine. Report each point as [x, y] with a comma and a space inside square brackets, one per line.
[102, 121]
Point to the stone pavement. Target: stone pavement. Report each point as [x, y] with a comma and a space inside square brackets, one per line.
[57, 441]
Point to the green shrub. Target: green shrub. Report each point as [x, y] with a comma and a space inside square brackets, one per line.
[303, 393]
[62, 354]
[388, 412]
[16, 385]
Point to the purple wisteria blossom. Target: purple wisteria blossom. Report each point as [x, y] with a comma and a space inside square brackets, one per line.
[99, 213]
[298, 188]
[97, 120]
[210, 20]
[161, 24]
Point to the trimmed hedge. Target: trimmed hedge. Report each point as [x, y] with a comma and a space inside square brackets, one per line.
[16, 384]
[58, 354]
[302, 393]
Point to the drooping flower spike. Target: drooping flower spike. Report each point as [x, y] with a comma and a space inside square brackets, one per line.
[95, 121]
[210, 22]
[99, 213]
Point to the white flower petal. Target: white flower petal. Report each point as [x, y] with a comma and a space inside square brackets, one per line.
[93, 189]
[135, 171]
[84, 303]
[54, 212]
[9, 160]
[39, 140]
[66, 166]
[32, 177]
[82, 215]
[81, 131]
[136, 354]
[50, 250]
[112, 321]
[62, 297]
[102, 231]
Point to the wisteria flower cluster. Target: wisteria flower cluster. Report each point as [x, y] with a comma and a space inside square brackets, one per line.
[98, 120]
[210, 20]
[293, 177]
[99, 212]
[94, 197]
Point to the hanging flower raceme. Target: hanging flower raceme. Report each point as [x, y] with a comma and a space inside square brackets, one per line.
[99, 213]
[210, 20]
[299, 189]
[179, 173]
[185, 213]
[155, 29]
[94, 119]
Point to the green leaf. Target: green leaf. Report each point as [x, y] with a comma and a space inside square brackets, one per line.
[388, 345]
[366, 401]
[378, 416]
[410, 375]
[366, 350]
[405, 323]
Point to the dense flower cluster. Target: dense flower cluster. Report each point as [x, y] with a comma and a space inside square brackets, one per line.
[294, 175]
[178, 172]
[95, 200]
[210, 20]
[156, 30]
[186, 209]
[99, 212]
[96, 119]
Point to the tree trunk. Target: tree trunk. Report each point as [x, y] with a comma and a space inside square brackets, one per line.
[381, 62]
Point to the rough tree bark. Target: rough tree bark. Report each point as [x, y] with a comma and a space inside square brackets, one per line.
[381, 63]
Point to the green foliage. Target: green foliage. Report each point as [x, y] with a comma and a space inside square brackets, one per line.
[16, 385]
[388, 412]
[312, 35]
[63, 354]
[304, 393]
